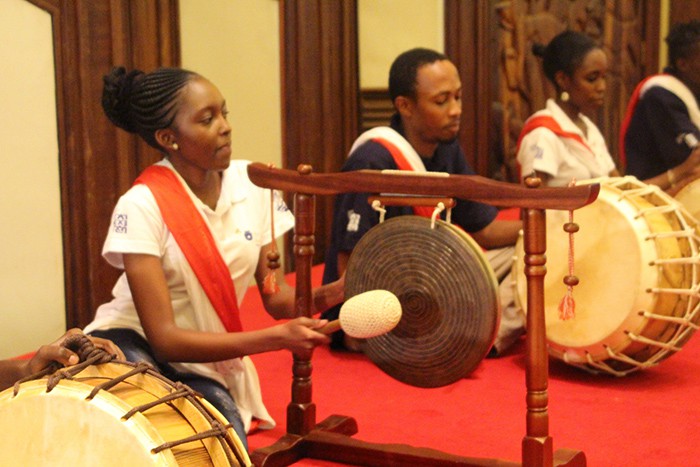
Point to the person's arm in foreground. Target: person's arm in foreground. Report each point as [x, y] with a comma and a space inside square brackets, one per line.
[12, 371]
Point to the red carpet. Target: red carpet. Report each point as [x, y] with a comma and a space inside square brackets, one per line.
[648, 418]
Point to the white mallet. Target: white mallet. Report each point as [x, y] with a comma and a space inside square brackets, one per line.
[366, 315]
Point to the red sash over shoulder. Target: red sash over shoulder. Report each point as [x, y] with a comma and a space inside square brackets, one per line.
[195, 240]
[545, 121]
[403, 164]
[552, 125]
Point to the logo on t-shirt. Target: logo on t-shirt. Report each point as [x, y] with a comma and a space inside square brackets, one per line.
[279, 203]
[538, 151]
[353, 221]
[120, 223]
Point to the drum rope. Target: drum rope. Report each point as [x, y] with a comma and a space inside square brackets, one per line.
[88, 353]
[685, 233]
[654, 210]
[684, 321]
[181, 392]
[219, 430]
[675, 291]
[686, 260]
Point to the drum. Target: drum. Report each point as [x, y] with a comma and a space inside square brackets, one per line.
[448, 294]
[689, 197]
[114, 413]
[636, 257]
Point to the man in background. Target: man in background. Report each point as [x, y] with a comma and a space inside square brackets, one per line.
[426, 91]
[660, 133]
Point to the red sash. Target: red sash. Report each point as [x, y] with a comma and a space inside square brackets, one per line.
[634, 100]
[403, 164]
[550, 124]
[196, 242]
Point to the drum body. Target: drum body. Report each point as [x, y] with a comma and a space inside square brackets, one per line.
[635, 256]
[448, 294]
[75, 423]
[689, 197]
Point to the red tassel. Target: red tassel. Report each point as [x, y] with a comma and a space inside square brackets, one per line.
[567, 306]
[270, 286]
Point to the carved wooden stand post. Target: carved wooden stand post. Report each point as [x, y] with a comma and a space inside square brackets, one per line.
[537, 447]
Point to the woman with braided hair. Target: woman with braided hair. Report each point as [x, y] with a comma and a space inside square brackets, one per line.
[560, 143]
[191, 234]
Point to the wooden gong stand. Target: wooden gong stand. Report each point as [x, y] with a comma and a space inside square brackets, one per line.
[332, 439]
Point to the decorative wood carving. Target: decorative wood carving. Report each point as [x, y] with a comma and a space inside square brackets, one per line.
[625, 30]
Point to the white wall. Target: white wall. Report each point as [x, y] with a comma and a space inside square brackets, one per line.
[235, 44]
[388, 27]
[31, 277]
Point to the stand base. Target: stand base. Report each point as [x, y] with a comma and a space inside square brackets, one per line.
[331, 440]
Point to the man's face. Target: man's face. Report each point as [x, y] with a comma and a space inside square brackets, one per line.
[435, 112]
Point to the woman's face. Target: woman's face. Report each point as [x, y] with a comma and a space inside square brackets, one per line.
[586, 87]
[200, 128]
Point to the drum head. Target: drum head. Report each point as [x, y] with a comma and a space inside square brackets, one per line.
[448, 294]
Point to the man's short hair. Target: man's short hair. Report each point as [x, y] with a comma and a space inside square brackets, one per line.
[683, 41]
[404, 70]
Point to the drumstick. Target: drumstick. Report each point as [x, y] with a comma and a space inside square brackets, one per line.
[366, 315]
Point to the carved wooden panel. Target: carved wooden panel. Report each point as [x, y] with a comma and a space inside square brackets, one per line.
[627, 31]
[99, 162]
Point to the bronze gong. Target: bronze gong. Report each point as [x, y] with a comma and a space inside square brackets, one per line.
[448, 294]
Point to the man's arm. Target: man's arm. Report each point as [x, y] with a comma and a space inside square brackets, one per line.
[498, 233]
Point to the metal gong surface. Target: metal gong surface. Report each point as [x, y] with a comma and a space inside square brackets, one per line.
[448, 294]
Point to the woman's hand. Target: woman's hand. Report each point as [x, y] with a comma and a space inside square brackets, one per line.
[302, 335]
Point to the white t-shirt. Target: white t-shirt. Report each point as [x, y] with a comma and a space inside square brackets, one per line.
[240, 225]
[563, 158]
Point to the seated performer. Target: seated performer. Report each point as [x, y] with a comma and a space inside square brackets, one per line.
[426, 90]
[12, 371]
[660, 133]
[191, 235]
[560, 143]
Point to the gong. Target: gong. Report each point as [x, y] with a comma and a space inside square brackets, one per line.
[448, 294]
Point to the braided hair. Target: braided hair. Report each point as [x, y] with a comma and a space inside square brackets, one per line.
[682, 41]
[141, 102]
[404, 70]
[564, 53]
